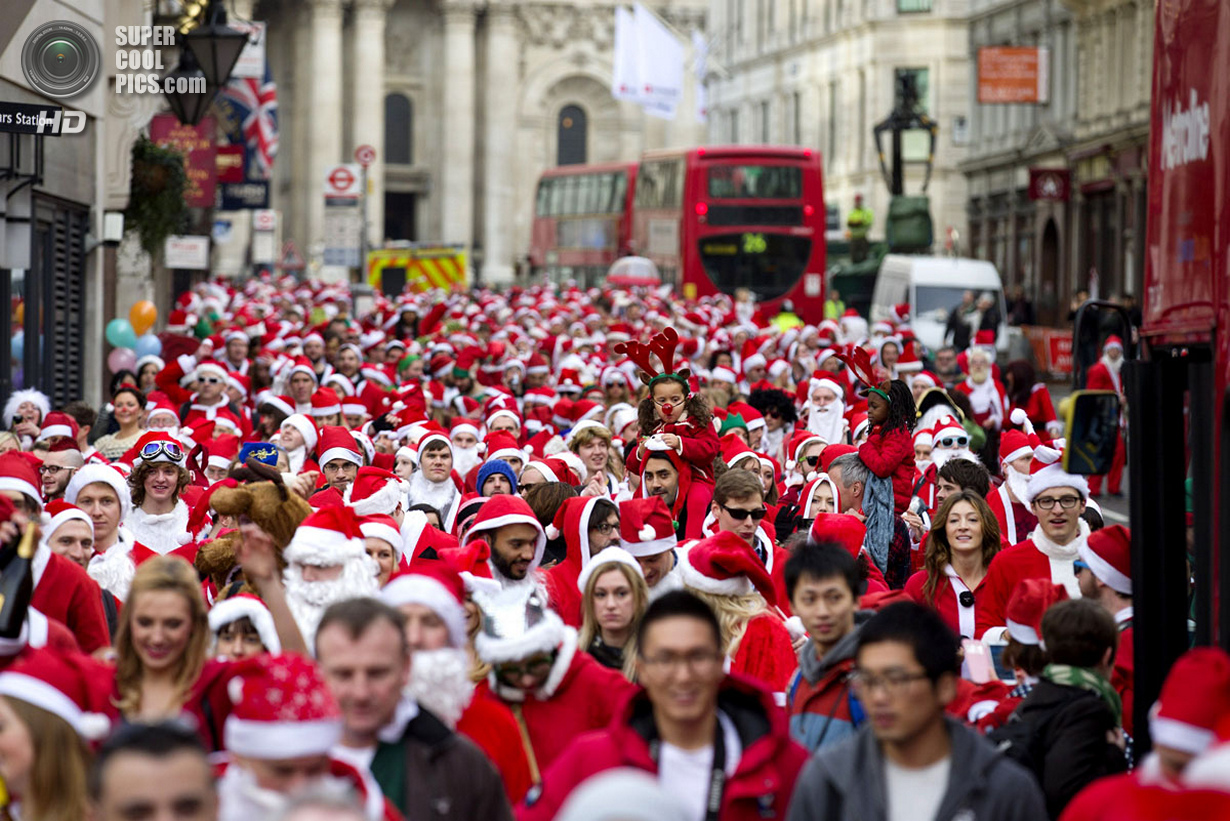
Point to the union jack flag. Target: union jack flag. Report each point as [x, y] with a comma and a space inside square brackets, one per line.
[255, 104]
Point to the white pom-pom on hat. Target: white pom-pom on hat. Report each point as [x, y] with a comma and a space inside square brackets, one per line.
[646, 533]
[553, 532]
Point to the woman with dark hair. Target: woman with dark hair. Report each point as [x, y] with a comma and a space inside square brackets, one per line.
[964, 538]
[127, 411]
[159, 518]
[780, 415]
[1026, 392]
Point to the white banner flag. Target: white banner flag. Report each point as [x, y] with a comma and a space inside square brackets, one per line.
[625, 74]
[700, 53]
[661, 62]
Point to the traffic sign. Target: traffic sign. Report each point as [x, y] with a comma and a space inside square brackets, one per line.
[342, 181]
[264, 219]
[365, 155]
[291, 259]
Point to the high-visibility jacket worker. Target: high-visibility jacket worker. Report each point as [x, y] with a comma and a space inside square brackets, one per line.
[860, 219]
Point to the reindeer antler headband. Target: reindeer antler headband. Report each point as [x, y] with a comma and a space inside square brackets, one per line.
[663, 346]
[859, 361]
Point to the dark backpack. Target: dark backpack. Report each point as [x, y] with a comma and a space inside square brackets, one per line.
[1020, 741]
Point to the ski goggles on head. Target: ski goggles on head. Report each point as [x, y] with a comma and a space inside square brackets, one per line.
[153, 450]
[952, 442]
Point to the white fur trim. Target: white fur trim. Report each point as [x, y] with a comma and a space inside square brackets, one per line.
[693, 578]
[514, 519]
[24, 488]
[546, 472]
[383, 532]
[322, 546]
[650, 548]
[340, 453]
[384, 500]
[1179, 735]
[307, 430]
[1104, 570]
[1017, 454]
[424, 590]
[273, 740]
[55, 430]
[541, 638]
[647, 533]
[36, 692]
[238, 607]
[35, 397]
[606, 558]
[1023, 633]
[552, 531]
[1053, 476]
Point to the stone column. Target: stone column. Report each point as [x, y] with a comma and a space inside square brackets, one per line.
[457, 158]
[367, 93]
[500, 245]
[324, 96]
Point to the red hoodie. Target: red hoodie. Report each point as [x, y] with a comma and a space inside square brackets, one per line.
[572, 519]
[890, 455]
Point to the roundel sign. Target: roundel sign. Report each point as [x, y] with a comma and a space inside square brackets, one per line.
[365, 155]
[342, 181]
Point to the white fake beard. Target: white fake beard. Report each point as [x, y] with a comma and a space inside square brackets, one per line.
[1113, 365]
[295, 459]
[241, 798]
[440, 683]
[309, 600]
[114, 570]
[771, 442]
[941, 456]
[828, 422]
[437, 494]
[464, 459]
[1018, 483]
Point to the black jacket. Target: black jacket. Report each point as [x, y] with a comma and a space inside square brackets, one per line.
[1072, 726]
[845, 782]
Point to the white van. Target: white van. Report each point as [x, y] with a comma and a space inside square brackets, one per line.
[933, 286]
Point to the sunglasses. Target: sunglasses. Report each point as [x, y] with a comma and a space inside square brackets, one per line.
[154, 449]
[953, 442]
[539, 666]
[739, 514]
[1078, 566]
[210, 380]
[812, 460]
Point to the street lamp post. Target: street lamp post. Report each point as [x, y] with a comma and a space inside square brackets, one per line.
[210, 51]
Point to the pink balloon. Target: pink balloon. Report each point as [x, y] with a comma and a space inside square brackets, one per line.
[122, 359]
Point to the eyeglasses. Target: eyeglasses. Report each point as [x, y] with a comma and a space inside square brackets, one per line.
[605, 528]
[773, 413]
[535, 667]
[155, 449]
[698, 662]
[210, 380]
[1078, 566]
[893, 683]
[52, 470]
[953, 442]
[1048, 502]
[739, 514]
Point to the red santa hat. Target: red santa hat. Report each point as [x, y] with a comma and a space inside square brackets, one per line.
[923, 438]
[353, 407]
[1108, 552]
[180, 322]
[58, 423]
[282, 707]
[383, 527]
[798, 443]
[554, 470]
[328, 537]
[377, 490]
[19, 472]
[833, 452]
[1195, 698]
[808, 496]
[337, 443]
[721, 374]
[926, 378]
[210, 368]
[824, 379]
[840, 529]
[1046, 472]
[607, 558]
[246, 606]
[306, 427]
[501, 445]
[498, 511]
[325, 402]
[67, 684]
[222, 451]
[473, 562]
[1013, 445]
[460, 424]
[646, 527]
[735, 450]
[506, 413]
[162, 407]
[725, 565]
[1112, 341]
[302, 364]
[435, 585]
[59, 513]
[434, 433]
[947, 428]
[900, 312]
[909, 362]
[104, 474]
[1030, 600]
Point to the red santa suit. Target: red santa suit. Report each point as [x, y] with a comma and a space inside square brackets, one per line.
[1102, 377]
[65, 593]
[1041, 412]
[491, 725]
[38, 632]
[766, 653]
[1016, 520]
[572, 520]
[989, 400]
[692, 499]
[961, 619]
[1035, 558]
[698, 447]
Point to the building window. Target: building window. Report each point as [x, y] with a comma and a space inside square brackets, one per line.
[398, 130]
[913, 6]
[572, 136]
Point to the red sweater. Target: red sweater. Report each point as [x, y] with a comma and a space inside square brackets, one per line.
[699, 445]
[890, 455]
[765, 653]
[66, 594]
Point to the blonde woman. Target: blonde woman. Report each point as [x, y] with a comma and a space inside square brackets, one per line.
[614, 597]
[9, 441]
[604, 471]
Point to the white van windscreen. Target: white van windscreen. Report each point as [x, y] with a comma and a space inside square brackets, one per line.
[932, 302]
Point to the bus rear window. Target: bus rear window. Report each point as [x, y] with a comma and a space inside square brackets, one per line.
[762, 182]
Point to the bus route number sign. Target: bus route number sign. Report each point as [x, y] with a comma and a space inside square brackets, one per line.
[754, 244]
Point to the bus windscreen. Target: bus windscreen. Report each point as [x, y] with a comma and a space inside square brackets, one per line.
[759, 182]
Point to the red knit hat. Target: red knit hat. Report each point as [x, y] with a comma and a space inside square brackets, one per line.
[1195, 697]
[436, 585]
[70, 685]
[645, 526]
[502, 510]
[839, 529]
[282, 707]
[1030, 600]
[1108, 552]
[376, 490]
[246, 606]
[327, 537]
[19, 472]
[724, 564]
[337, 443]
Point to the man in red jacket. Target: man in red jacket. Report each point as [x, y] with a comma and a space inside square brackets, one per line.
[717, 742]
[1103, 375]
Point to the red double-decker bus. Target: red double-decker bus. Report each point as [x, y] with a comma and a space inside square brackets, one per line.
[582, 221]
[716, 219]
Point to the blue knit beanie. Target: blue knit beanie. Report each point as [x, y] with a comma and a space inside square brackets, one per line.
[496, 466]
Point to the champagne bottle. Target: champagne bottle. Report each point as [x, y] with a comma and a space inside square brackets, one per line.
[17, 583]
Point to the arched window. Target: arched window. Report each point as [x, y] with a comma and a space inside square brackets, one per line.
[572, 136]
[398, 130]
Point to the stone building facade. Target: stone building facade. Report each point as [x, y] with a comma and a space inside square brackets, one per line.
[823, 73]
[466, 102]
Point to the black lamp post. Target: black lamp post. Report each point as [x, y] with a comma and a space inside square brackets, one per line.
[189, 106]
[216, 45]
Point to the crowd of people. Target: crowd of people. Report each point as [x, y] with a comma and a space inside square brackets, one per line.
[554, 553]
